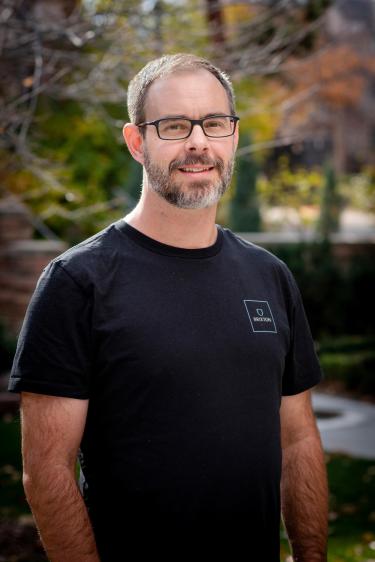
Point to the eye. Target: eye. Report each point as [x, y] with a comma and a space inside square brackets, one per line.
[215, 123]
[174, 125]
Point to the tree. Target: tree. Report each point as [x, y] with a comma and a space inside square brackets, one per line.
[61, 90]
[64, 70]
[328, 94]
[244, 208]
[330, 205]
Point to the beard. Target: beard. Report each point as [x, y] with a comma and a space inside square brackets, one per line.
[199, 194]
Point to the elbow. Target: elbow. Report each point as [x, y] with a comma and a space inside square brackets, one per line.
[43, 481]
[31, 487]
[26, 480]
[32, 484]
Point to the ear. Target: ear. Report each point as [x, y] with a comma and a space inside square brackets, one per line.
[134, 141]
[236, 136]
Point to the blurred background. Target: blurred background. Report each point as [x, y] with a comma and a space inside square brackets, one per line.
[304, 188]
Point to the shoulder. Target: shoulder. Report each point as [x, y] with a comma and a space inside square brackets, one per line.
[237, 245]
[262, 261]
[87, 261]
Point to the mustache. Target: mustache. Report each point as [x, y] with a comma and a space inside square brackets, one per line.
[202, 160]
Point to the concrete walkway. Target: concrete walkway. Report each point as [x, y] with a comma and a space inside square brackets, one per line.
[351, 431]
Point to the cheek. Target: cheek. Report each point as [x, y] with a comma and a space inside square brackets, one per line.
[164, 153]
[225, 153]
[223, 148]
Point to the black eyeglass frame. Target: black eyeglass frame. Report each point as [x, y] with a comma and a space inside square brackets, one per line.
[192, 123]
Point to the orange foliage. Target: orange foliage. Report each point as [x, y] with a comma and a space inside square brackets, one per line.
[337, 72]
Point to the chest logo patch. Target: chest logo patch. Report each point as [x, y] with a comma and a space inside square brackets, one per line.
[260, 316]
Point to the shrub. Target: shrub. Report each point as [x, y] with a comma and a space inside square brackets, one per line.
[338, 301]
[7, 349]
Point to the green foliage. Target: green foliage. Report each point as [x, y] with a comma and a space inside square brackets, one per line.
[352, 495]
[74, 129]
[319, 279]
[260, 118]
[356, 371]
[349, 361]
[90, 180]
[291, 188]
[317, 196]
[332, 295]
[358, 190]
[7, 349]
[87, 145]
[134, 181]
[330, 205]
[347, 344]
[244, 208]
[13, 502]
[351, 516]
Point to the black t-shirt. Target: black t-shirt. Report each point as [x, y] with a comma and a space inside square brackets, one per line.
[184, 355]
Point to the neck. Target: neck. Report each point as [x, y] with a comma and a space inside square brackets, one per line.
[183, 228]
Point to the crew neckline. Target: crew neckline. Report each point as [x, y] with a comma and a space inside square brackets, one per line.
[159, 247]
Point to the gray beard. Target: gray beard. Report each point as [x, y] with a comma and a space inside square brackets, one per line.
[201, 194]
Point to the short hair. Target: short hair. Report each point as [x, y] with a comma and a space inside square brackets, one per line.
[165, 66]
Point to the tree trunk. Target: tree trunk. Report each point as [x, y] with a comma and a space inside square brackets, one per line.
[339, 145]
[215, 23]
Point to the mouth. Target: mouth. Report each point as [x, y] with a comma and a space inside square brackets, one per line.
[196, 170]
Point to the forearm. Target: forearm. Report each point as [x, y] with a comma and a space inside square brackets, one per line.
[61, 516]
[304, 499]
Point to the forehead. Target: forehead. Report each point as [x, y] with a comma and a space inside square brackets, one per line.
[191, 93]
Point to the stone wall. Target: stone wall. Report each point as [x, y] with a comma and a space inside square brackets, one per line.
[22, 260]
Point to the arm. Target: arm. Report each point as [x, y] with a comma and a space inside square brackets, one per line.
[52, 428]
[304, 489]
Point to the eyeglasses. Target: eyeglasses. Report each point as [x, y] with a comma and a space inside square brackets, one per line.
[174, 128]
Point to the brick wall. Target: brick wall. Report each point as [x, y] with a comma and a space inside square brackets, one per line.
[22, 260]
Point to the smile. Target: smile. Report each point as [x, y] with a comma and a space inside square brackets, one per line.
[190, 170]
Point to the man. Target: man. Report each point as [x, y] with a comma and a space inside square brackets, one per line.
[177, 358]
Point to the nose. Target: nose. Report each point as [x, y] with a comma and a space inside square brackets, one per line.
[197, 141]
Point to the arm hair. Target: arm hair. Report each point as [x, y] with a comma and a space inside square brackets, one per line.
[52, 429]
[304, 488]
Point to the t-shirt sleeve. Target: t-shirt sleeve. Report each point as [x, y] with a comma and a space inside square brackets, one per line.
[302, 368]
[53, 351]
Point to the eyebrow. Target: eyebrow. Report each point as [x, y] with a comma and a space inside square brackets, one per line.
[211, 114]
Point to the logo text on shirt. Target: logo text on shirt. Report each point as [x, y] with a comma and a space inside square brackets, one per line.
[260, 316]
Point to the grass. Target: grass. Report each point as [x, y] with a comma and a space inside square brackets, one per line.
[352, 498]
[352, 510]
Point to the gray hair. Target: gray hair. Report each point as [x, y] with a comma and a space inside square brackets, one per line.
[164, 66]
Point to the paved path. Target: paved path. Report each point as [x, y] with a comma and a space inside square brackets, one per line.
[352, 431]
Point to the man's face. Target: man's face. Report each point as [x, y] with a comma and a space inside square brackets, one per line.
[191, 173]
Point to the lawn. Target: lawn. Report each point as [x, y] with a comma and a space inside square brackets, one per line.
[352, 510]
[352, 504]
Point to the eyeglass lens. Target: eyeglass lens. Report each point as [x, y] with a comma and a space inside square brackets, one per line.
[180, 128]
